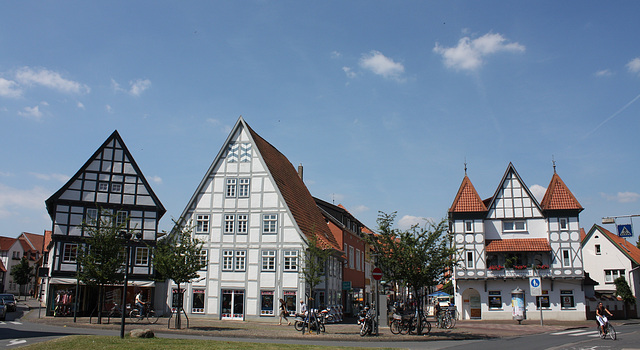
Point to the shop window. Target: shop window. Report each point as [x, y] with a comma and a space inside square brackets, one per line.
[566, 299]
[266, 303]
[543, 300]
[495, 299]
[197, 306]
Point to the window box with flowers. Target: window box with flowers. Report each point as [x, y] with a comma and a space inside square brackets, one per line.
[520, 267]
[542, 267]
[496, 267]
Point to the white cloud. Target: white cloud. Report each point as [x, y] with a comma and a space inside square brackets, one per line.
[359, 209]
[349, 72]
[603, 73]
[9, 88]
[50, 79]
[634, 65]
[622, 197]
[470, 54]
[31, 112]
[136, 87]
[80, 105]
[108, 109]
[156, 179]
[407, 221]
[538, 192]
[379, 64]
[336, 54]
[13, 198]
[58, 177]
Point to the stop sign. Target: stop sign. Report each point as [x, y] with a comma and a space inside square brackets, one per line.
[376, 273]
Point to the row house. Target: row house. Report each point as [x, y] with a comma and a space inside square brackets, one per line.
[110, 182]
[29, 245]
[510, 237]
[255, 217]
[356, 270]
[606, 258]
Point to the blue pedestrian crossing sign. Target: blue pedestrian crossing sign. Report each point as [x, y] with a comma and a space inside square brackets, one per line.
[535, 285]
[625, 231]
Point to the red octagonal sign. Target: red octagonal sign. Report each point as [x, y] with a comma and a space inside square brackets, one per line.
[376, 273]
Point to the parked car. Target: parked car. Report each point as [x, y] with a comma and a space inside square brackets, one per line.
[9, 301]
[3, 310]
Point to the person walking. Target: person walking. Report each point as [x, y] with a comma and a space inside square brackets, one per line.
[283, 313]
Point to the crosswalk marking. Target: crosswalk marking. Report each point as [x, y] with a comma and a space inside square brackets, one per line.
[12, 322]
[579, 333]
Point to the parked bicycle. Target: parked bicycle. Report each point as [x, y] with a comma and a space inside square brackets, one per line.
[136, 316]
[446, 318]
[408, 324]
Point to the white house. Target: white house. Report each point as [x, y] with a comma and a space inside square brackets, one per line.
[607, 257]
[510, 237]
[255, 217]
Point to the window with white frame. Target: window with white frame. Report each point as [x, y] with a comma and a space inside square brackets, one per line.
[611, 275]
[468, 226]
[268, 260]
[116, 188]
[352, 257]
[243, 187]
[234, 260]
[121, 218]
[142, 256]
[514, 225]
[103, 187]
[243, 224]
[91, 217]
[227, 260]
[69, 252]
[270, 223]
[204, 258]
[358, 260]
[469, 258]
[290, 262]
[202, 223]
[231, 188]
[240, 257]
[563, 223]
[229, 223]
[566, 257]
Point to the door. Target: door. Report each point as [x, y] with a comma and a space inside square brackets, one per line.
[232, 304]
[471, 306]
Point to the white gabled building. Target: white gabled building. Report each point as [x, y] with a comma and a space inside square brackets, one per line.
[510, 237]
[255, 216]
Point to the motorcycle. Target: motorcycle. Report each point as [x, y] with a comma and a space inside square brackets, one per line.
[366, 321]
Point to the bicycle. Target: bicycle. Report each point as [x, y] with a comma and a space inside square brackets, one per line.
[150, 314]
[608, 331]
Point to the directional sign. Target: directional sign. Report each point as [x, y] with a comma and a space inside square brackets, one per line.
[376, 273]
[625, 231]
[535, 285]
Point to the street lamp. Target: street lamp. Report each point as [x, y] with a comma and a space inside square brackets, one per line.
[128, 237]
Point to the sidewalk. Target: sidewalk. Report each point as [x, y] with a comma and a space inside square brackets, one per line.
[340, 331]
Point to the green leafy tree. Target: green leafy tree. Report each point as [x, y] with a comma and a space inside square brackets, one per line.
[22, 274]
[624, 292]
[101, 259]
[315, 258]
[178, 257]
[638, 242]
[418, 257]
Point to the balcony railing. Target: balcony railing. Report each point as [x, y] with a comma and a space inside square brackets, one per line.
[517, 272]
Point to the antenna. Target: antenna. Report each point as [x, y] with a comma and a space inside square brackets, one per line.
[465, 166]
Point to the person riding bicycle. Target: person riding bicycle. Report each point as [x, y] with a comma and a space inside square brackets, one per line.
[139, 303]
[601, 317]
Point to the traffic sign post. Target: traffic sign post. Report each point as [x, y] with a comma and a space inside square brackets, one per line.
[376, 274]
[535, 286]
[625, 231]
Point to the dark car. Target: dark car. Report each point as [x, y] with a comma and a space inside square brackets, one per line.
[9, 301]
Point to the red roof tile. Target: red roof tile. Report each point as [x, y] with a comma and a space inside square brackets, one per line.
[518, 245]
[6, 243]
[558, 196]
[467, 199]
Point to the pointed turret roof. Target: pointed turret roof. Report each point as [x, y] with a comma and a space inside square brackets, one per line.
[467, 199]
[558, 196]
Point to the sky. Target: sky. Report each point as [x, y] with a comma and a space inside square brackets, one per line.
[383, 102]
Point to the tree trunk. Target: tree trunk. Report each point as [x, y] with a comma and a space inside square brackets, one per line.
[418, 309]
[100, 296]
[179, 308]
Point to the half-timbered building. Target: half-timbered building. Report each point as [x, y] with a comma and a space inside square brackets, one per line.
[508, 238]
[109, 183]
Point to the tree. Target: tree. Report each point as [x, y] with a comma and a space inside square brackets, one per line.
[179, 257]
[638, 242]
[418, 257]
[315, 258]
[22, 273]
[624, 292]
[101, 260]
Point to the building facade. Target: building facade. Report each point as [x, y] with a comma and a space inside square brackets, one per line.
[510, 237]
[109, 183]
[29, 245]
[255, 217]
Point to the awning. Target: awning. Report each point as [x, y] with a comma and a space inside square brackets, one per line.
[518, 245]
[60, 280]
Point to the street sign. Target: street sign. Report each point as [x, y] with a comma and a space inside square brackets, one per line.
[376, 273]
[346, 285]
[625, 231]
[535, 285]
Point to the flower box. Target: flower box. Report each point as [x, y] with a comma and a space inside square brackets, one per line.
[496, 267]
[542, 267]
[520, 267]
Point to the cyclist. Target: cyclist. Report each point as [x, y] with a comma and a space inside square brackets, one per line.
[140, 303]
[601, 317]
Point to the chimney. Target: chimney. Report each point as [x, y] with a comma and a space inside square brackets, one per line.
[300, 172]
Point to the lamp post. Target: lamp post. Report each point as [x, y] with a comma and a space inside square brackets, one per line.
[127, 239]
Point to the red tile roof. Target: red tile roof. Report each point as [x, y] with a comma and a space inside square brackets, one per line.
[300, 202]
[467, 199]
[518, 245]
[36, 240]
[630, 250]
[6, 243]
[558, 196]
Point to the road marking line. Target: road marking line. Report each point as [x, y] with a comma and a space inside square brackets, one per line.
[16, 322]
[568, 332]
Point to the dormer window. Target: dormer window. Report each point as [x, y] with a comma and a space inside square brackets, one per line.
[514, 226]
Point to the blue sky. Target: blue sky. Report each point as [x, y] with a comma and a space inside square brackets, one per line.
[383, 102]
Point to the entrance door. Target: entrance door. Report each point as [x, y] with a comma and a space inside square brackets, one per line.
[471, 306]
[232, 304]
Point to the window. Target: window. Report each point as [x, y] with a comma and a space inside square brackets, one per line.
[103, 187]
[204, 259]
[91, 218]
[197, 305]
[121, 218]
[358, 259]
[566, 258]
[611, 275]
[566, 299]
[469, 259]
[598, 252]
[514, 226]
[202, 223]
[69, 252]
[270, 223]
[268, 260]
[468, 226]
[351, 258]
[290, 260]
[495, 299]
[234, 260]
[564, 223]
[229, 223]
[543, 300]
[266, 303]
[231, 187]
[142, 256]
[243, 188]
[117, 188]
[243, 224]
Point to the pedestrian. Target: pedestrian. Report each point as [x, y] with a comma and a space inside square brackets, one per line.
[283, 313]
[303, 308]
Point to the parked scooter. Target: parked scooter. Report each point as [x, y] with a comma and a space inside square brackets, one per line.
[366, 321]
